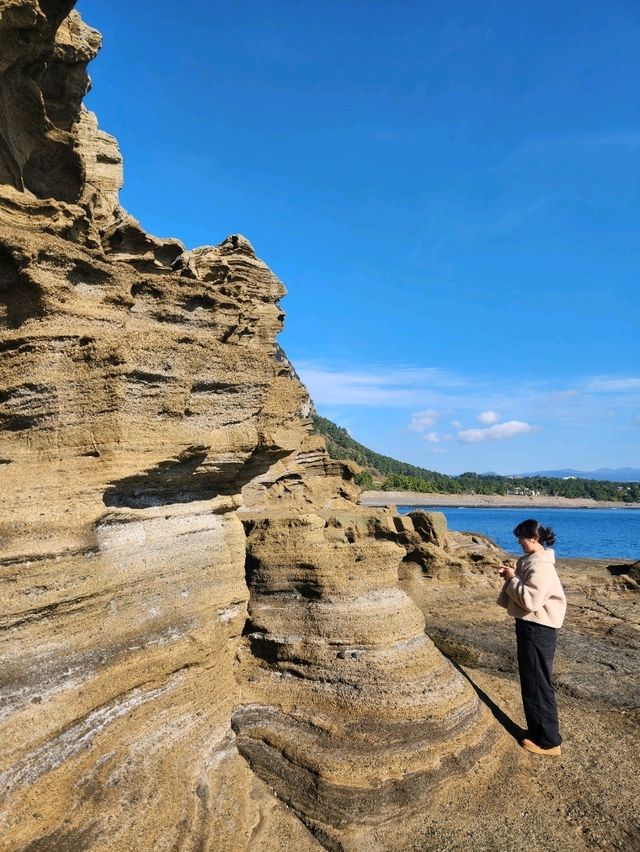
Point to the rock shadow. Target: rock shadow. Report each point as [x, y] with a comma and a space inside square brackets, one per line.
[498, 714]
[189, 477]
[619, 570]
[21, 297]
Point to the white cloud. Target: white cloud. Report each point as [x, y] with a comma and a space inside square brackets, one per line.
[432, 437]
[488, 417]
[563, 394]
[398, 387]
[421, 420]
[605, 384]
[499, 432]
[423, 393]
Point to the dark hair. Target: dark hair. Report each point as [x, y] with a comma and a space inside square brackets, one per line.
[532, 529]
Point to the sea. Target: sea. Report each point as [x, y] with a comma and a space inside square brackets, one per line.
[584, 533]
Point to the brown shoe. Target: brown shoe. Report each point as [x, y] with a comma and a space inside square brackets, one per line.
[528, 745]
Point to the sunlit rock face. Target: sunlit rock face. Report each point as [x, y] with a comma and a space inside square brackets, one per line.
[183, 568]
[353, 717]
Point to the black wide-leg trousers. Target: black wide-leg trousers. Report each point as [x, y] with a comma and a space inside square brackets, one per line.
[536, 647]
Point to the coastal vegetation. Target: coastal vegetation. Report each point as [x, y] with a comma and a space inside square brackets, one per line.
[384, 473]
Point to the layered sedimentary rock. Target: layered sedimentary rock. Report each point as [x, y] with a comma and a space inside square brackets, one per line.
[354, 716]
[183, 568]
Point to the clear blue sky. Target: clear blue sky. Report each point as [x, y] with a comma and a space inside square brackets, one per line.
[450, 192]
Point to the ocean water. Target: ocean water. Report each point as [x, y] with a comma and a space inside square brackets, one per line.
[596, 533]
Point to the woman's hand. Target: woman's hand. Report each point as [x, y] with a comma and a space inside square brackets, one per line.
[506, 572]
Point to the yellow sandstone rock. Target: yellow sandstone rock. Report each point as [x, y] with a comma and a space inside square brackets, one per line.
[193, 602]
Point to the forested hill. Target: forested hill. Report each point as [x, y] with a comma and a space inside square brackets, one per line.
[389, 474]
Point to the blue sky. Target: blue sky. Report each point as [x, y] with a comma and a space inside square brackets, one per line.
[449, 191]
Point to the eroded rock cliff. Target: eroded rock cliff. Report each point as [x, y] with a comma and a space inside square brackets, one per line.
[199, 622]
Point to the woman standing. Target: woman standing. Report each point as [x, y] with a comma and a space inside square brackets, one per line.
[533, 595]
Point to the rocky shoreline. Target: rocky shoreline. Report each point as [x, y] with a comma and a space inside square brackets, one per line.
[596, 672]
[209, 642]
[513, 501]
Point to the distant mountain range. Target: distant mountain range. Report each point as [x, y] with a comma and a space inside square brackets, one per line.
[610, 474]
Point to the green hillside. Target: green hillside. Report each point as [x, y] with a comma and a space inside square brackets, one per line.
[389, 474]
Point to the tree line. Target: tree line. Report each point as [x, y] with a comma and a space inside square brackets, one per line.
[389, 474]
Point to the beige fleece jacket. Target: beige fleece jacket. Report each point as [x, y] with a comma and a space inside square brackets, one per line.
[535, 593]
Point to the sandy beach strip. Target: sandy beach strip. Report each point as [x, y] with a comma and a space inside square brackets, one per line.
[514, 501]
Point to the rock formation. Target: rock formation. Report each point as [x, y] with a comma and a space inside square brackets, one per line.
[353, 717]
[199, 621]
